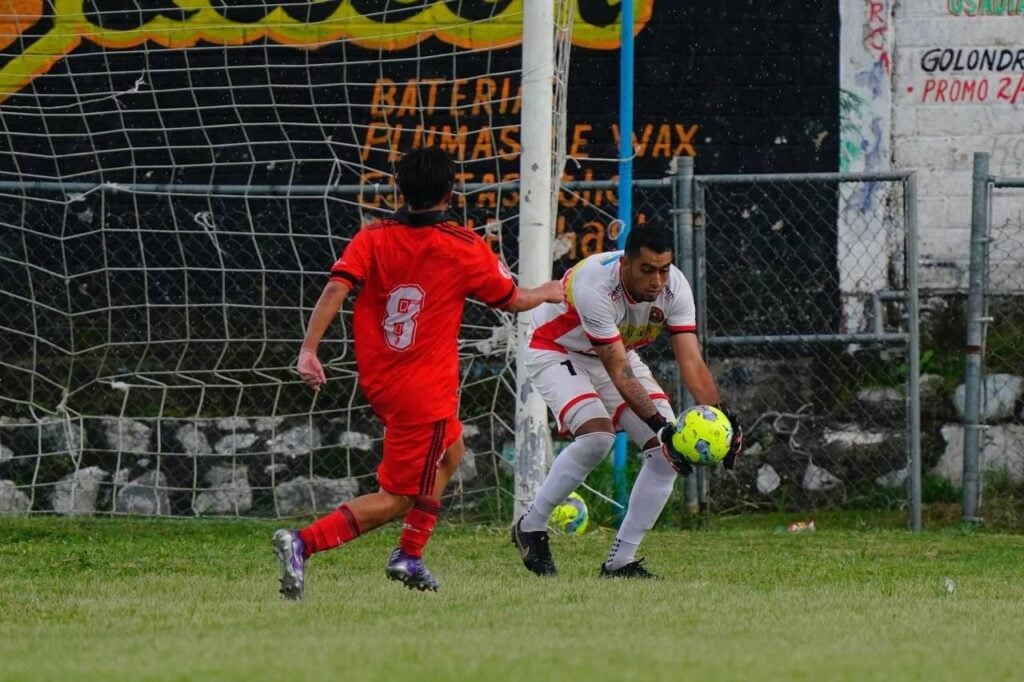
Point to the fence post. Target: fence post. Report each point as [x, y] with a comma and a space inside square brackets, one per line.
[682, 220]
[914, 359]
[975, 340]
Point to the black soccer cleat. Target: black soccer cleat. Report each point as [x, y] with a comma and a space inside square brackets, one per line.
[534, 549]
[634, 569]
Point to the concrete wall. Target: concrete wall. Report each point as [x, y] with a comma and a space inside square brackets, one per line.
[925, 84]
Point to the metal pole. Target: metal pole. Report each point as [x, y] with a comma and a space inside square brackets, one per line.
[535, 235]
[625, 213]
[975, 340]
[914, 359]
[700, 295]
[682, 214]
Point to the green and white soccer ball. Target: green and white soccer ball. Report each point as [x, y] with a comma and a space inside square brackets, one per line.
[703, 434]
[571, 516]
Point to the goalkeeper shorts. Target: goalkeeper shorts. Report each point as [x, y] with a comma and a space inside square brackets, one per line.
[577, 388]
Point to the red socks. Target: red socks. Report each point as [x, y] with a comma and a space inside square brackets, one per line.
[335, 529]
[418, 526]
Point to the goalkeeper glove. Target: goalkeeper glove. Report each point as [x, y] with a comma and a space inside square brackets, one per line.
[736, 446]
[664, 430]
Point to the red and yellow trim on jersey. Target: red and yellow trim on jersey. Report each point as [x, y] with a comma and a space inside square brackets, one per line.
[545, 337]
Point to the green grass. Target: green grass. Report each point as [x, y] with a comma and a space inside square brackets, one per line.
[196, 600]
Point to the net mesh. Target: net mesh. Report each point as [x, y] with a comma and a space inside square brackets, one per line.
[174, 184]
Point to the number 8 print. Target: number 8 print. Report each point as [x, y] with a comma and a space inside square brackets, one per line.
[404, 304]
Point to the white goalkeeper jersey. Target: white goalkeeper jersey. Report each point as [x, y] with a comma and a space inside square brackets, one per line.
[598, 310]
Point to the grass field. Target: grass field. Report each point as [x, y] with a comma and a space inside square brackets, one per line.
[109, 599]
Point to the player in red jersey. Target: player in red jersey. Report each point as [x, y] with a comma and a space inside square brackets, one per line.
[413, 273]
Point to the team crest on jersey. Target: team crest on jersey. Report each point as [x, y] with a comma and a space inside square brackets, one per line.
[615, 293]
[657, 315]
[503, 269]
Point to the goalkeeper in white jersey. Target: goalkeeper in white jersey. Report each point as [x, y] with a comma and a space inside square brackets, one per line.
[582, 359]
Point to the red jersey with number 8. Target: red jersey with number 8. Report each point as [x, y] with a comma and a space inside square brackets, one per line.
[412, 275]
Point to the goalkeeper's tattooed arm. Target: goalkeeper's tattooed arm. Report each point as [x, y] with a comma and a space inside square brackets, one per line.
[616, 363]
[327, 307]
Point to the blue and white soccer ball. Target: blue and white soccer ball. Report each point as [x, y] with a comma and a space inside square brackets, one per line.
[571, 516]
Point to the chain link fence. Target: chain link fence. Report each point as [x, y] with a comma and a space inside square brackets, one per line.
[152, 333]
[808, 303]
[992, 400]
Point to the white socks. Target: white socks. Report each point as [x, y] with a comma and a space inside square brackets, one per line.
[650, 492]
[569, 469]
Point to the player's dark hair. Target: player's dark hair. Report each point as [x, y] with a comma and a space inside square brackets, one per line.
[658, 238]
[425, 176]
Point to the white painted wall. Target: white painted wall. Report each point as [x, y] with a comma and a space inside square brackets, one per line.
[918, 92]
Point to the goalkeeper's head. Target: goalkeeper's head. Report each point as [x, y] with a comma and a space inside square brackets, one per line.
[425, 177]
[647, 261]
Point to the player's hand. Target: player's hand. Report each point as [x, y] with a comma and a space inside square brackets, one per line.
[553, 291]
[736, 446]
[674, 457]
[310, 369]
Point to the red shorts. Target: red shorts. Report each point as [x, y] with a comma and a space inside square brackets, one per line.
[412, 454]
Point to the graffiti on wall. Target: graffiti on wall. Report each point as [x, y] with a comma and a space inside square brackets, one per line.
[970, 76]
[36, 34]
[987, 8]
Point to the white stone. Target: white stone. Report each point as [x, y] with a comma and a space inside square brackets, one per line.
[768, 480]
[310, 496]
[275, 469]
[298, 440]
[233, 424]
[59, 435]
[146, 496]
[851, 435]
[126, 435]
[470, 430]
[12, 500]
[355, 441]
[1002, 449]
[998, 397]
[268, 423]
[193, 440]
[233, 442]
[880, 395]
[227, 492]
[817, 479]
[893, 479]
[5, 454]
[76, 493]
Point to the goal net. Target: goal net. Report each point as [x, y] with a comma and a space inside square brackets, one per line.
[175, 181]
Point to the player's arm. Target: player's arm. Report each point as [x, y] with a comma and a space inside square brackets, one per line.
[528, 299]
[693, 370]
[616, 363]
[700, 383]
[326, 309]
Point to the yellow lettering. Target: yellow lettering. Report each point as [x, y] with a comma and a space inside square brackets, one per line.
[663, 142]
[485, 88]
[579, 140]
[685, 136]
[384, 90]
[410, 99]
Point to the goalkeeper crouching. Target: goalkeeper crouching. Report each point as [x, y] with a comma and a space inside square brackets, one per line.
[582, 359]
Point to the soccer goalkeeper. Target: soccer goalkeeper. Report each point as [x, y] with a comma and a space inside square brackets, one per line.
[413, 272]
[583, 361]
